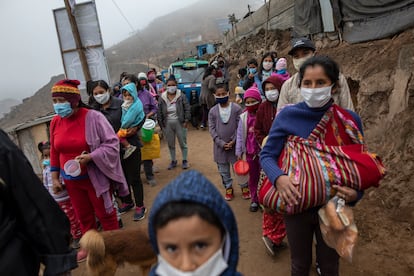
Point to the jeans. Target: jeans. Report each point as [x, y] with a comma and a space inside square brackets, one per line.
[175, 128]
[224, 170]
[148, 164]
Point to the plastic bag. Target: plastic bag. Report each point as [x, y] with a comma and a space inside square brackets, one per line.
[151, 150]
[338, 227]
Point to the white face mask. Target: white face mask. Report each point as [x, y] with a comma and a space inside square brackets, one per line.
[102, 98]
[171, 89]
[297, 62]
[267, 65]
[214, 266]
[272, 95]
[126, 104]
[316, 97]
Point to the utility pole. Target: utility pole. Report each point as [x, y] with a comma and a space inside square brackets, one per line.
[79, 47]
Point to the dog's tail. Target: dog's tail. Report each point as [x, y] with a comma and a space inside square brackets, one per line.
[94, 244]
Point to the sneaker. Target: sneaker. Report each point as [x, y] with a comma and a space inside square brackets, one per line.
[152, 182]
[81, 255]
[140, 213]
[128, 151]
[229, 194]
[155, 169]
[120, 223]
[254, 207]
[245, 193]
[125, 207]
[202, 126]
[75, 244]
[172, 165]
[185, 165]
[269, 245]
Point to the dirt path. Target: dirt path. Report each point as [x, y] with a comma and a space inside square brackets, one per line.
[371, 258]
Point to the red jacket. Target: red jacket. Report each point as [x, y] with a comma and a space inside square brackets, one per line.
[264, 119]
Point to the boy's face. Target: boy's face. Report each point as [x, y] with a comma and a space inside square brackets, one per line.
[188, 242]
[221, 92]
[127, 96]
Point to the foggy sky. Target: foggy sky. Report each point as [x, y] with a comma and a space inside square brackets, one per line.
[29, 51]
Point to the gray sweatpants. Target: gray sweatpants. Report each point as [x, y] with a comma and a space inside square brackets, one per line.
[172, 129]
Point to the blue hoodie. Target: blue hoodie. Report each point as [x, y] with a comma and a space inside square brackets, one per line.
[192, 186]
[135, 113]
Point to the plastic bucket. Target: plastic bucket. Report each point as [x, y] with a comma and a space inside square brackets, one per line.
[147, 130]
[72, 168]
[241, 169]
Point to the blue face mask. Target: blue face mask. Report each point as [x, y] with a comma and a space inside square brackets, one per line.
[222, 100]
[46, 162]
[252, 70]
[62, 109]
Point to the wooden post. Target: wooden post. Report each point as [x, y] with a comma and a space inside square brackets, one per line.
[78, 42]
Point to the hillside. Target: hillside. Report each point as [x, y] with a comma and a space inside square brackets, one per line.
[6, 105]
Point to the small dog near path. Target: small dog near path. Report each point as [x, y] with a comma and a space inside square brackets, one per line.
[110, 249]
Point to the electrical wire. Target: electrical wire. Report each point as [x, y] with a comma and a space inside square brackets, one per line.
[123, 15]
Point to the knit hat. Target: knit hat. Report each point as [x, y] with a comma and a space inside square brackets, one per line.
[253, 92]
[275, 80]
[67, 89]
[281, 64]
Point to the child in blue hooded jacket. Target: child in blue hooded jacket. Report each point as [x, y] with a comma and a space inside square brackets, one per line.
[132, 116]
[193, 230]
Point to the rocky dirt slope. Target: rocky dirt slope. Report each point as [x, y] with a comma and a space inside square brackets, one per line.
[381, 77]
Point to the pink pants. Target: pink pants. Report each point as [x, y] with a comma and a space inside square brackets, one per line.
[87, 205]
[66, 206]
[274, 227]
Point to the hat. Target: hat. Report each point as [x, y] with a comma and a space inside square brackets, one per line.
[67, 89]
[142, 75]
[238, 90]
[275, 80]
[281, 64]
[253, 92]
[302, 42]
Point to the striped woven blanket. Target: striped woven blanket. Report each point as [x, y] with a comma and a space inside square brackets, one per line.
[333, 154]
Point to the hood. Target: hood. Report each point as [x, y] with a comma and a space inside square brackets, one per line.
[165, 98]
[132, 89]
[192, 186]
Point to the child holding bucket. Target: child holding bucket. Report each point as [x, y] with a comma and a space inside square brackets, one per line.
[61, 197]
[223, 120]
[132, 115]
[246, 143]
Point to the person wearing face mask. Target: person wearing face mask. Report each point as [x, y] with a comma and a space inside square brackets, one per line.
[193, 230]
[316, 118]
[111, 108]
[253, 77]
[173, 116]
[273, 226]
[223, 120]
[302, 50]
[246, 144]
[62, 197]
[81, 134]
[281, 69]
[144, 83]
[266, 68]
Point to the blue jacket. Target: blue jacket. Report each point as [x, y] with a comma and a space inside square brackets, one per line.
[135, 113]
[193, 186]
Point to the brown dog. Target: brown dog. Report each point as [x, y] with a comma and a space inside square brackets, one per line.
[109, 249]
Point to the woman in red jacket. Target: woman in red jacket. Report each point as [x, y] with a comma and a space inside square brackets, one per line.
[273, 226]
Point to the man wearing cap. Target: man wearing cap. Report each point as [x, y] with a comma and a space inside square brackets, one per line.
[302, 50]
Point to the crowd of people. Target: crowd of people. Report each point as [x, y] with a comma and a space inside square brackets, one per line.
[103, 138]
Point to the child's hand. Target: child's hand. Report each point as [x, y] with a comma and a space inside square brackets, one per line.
[57, 186]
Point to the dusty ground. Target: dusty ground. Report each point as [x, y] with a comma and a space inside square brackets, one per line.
[373, 256]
